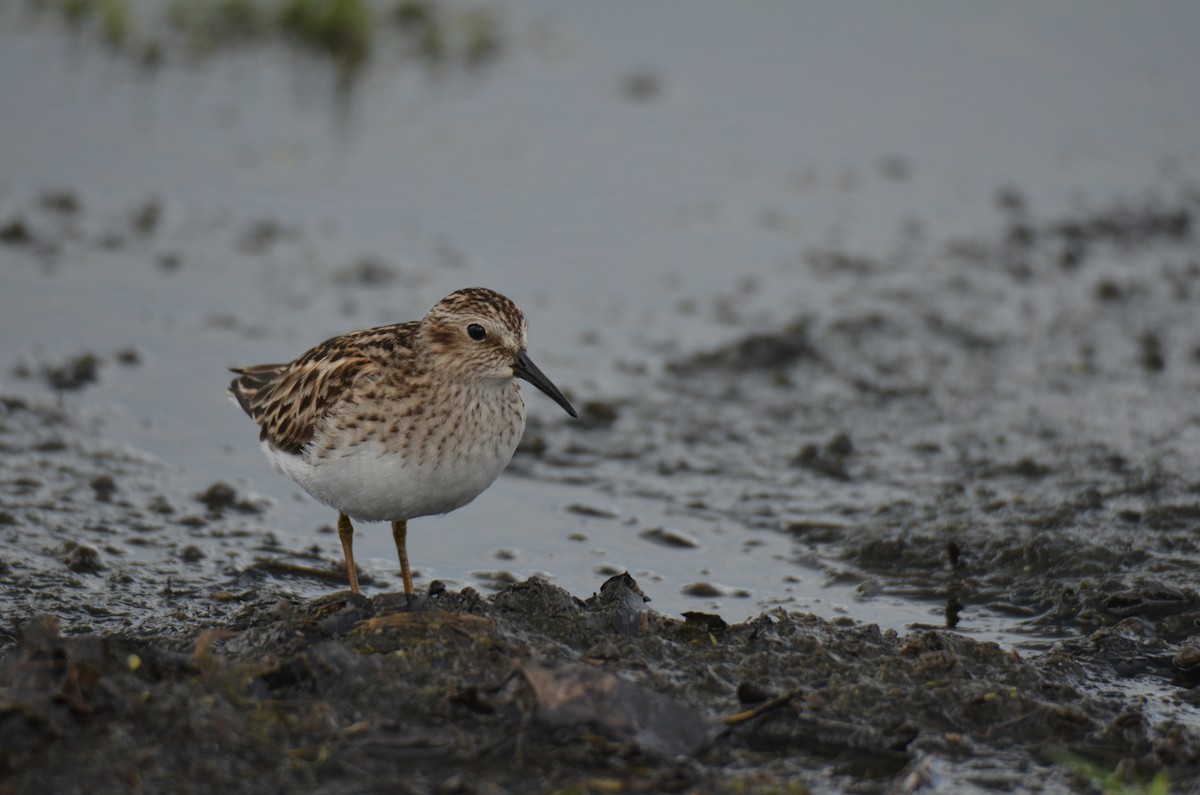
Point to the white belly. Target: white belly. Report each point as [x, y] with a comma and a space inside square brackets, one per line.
[367, 483]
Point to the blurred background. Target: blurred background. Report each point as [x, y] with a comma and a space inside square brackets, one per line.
[790, 258]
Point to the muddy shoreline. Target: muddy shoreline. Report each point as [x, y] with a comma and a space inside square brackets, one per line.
[532, 690]
[170, 629]
[885, 336]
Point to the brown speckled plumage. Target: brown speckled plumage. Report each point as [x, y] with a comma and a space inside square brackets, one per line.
[399, 421]
[291, 402]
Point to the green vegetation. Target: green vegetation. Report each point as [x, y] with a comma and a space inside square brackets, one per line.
[1111, 782]
[347, 32]
[341, 28]
[109, 17]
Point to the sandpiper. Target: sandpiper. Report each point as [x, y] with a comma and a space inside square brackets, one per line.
[401, 421]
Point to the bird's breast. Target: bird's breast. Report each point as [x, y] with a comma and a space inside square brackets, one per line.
[379, 460]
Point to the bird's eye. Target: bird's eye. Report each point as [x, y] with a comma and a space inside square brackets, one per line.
[476, 332]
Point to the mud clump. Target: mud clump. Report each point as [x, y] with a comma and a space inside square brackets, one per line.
[104, 487]
[261, 235]
[81, 558]
[16, 232]
[75, 373]
[534, 690]
[65, 202]
[756, 352]
[221, 497]
[829, 460]
[191, 554]
[669, 538]
[145, 219]
[366, 272]
[598, 414]
[702, 590]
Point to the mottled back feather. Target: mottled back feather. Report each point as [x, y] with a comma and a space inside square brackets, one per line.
[290, 402]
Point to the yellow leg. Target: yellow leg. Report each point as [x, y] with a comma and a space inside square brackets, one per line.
[400, 534]
[346, 533]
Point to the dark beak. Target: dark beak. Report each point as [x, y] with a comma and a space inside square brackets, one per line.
[524, 368]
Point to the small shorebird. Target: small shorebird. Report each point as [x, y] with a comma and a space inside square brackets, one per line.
[396, 422]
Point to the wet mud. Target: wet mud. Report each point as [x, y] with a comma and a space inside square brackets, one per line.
[95, 533]
[1005, 427]
[1011, 424]
[533, 689]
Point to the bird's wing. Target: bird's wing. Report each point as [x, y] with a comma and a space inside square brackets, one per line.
[290, 402]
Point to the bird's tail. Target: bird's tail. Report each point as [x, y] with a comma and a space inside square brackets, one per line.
[251, 384]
